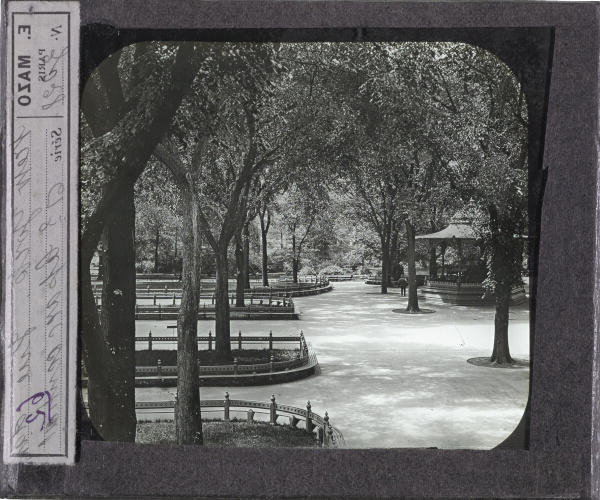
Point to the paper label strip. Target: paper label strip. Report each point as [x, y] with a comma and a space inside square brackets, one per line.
[41, 300]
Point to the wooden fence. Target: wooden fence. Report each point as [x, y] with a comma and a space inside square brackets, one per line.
[209, 339]
[261, 302]
[259, 307]
[303, 365]
[330, 436]
[208, 286]
[262, 298]
[169, 312]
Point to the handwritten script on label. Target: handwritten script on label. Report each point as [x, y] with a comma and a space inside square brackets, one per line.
[42, 237]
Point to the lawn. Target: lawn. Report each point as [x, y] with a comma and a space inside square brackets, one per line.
[237, 434]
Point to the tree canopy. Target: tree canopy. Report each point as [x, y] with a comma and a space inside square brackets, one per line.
[396, 138]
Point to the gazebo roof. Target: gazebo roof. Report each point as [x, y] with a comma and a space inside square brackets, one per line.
[452, 232]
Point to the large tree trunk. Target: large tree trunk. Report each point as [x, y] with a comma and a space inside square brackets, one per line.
[413, 300]
[385, 262]
[246, 254]
[295, 266]
[264, 229]
[501, 352]
[222, 327]
[502, 249]
[156, 242]
[188, 423]
[104, 371]
[240, 282]
[394, 274]
[118, 323]
[100, 263]
[99, 365]
[295, 259]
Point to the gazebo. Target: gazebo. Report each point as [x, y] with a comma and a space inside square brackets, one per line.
[456, 287]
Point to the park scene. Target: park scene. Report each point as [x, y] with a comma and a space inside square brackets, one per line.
[322, 245]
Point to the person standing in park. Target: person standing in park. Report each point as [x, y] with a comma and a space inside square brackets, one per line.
[402, 283]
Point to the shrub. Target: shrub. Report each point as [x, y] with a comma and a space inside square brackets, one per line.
[334, 269]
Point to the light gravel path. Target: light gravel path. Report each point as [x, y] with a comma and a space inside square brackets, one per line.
[388, 379]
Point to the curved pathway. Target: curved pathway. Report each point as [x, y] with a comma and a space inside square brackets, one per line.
[392, 380]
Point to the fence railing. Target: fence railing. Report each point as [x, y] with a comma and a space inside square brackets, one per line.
[208, 286]
[330, 436]
[210, 338]
[257, 306]
[261, 298]
[317, 278]
[235, 369]
[289, 289]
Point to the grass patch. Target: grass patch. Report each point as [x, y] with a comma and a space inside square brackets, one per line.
[236, 434]
[207, 358]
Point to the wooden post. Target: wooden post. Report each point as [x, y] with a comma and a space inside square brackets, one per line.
[320, 434]
[324, 439]
[270, 340]
[309, 424]
[273, 410]
[210, 340]
[240, 340]
[226, 407]
[150, 340]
